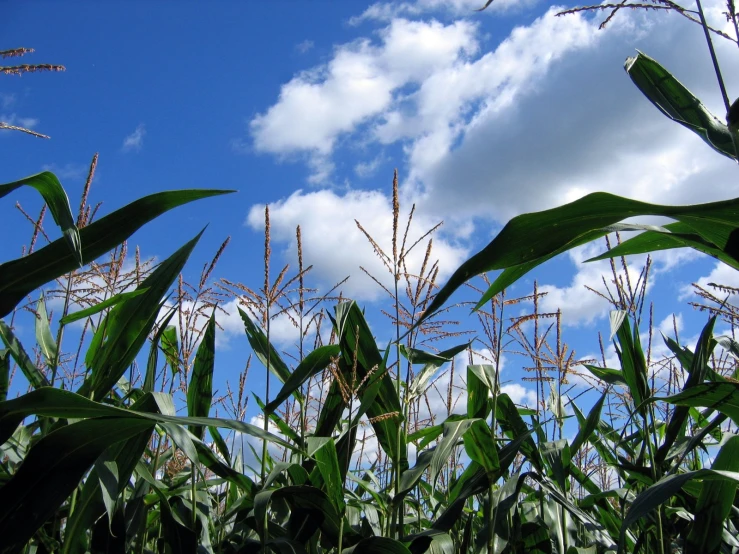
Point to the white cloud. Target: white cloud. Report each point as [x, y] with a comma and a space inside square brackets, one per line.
[334, 245]
[135, 140]
[358, 84]
[7, 100]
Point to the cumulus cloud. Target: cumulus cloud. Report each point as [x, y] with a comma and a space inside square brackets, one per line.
[358, 84]
[135, 140]
[335, 246]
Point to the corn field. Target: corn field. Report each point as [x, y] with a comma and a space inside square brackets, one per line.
[113, 438]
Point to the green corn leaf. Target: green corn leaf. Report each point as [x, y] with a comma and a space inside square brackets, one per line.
[128, 324]
[125, 455]
[151, 363]
[56, 198]
[432, 363]
[200, 391]
[453, 432]
[44, 338]
[97, 308]
[588, 427]
[51, 402]
[678, 103]
[479, 445]
[378, 545]
[411, 476]
[29, 369]
[529, 239]
[171, 348]
[479, 387]
[52, 470]
[264, 350]
[323, 451]
[282, 425]
[4, 374]
[665, 488]
[220, 444]
[610, 376]
[715, 502]
[678, 419]
[633, 363]
[315, 362]
[722, 397]
[22, 276]
[363, 348]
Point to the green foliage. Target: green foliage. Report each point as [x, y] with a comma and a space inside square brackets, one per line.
[113, 468]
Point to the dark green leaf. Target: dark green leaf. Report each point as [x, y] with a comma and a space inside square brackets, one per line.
[311, 365]
[532, 238]
[51, 471]
[678, 103]
[588, 427]
[715, 502]
[128, 324]
[4, 374]
[151, 364]
[200, 391]
[21, 276]
[377, 545]
[264, 350]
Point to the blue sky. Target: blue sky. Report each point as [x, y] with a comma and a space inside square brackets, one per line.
[309, 105]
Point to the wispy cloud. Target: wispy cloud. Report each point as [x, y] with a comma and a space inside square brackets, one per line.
[305, 46]
[7, 100]
[135, 140]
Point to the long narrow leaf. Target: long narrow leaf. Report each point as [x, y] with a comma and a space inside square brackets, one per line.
[200, 390]
[21, 276]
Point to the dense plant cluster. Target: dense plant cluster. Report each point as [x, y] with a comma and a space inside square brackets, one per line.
[350, 455]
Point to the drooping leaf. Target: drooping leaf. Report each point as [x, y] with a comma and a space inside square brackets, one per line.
[200, 390]
[528, 239]
[678, 103]
[453, 432]
[722, 397]
[51, 402]
[315, 362]
[479, 445]
[56, 198]
[21, 276]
